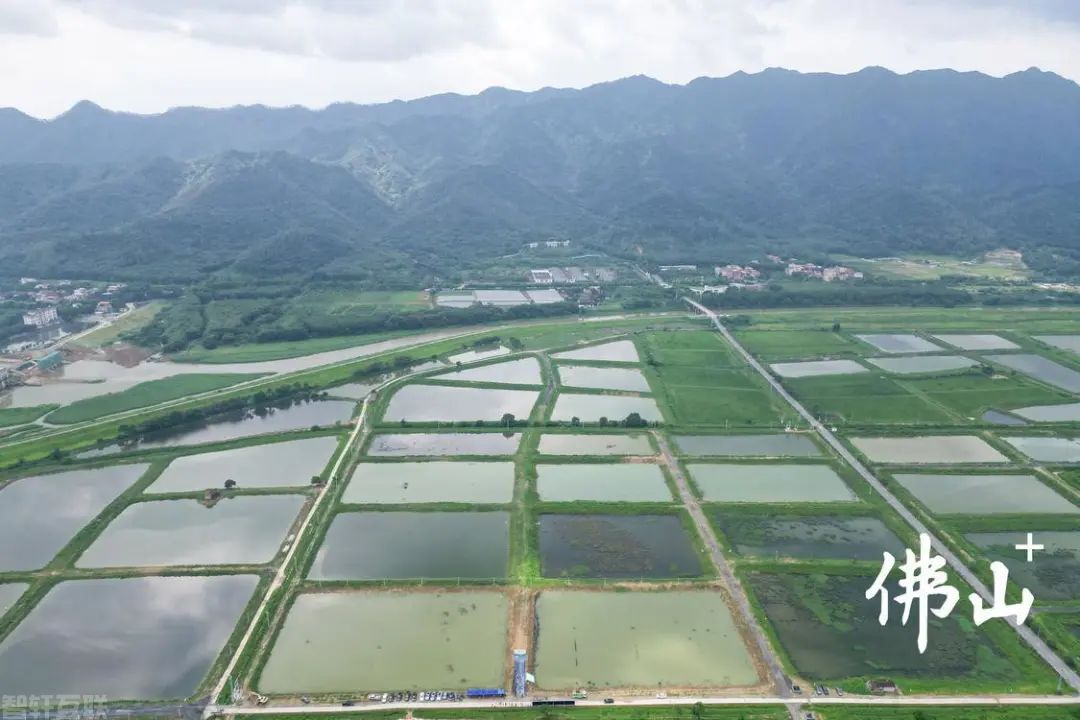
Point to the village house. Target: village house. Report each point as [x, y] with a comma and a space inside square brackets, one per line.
[40, 318]
[737, 273]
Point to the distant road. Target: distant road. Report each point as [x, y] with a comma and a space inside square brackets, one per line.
[1037, 644]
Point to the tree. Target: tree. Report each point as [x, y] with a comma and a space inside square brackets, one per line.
[230, 484]
[634, 420]
[697, 711]
[316, 480]
[508, 419]
[836, 327]
[575, 421]
[603, 422]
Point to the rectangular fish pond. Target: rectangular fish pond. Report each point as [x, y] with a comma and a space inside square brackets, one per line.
[608, 482]
[830, 537]
[431, 482]
[1040, 368]
[898, 343]
[976, 341]
[525, 371]
[414, 545]
[985, 494]
[639, 639]
[443, 444]
[815, 368]
[368, 641]
[1053, 573]
[242, 530]
[603, 378]
[630, 444]
[617, 351]
[590, 408]
[616, 546]
[761, 445]
[1047, 449]
[443, 403]
[769, 483]
[928, 450]
[922, 364]
[140, 638]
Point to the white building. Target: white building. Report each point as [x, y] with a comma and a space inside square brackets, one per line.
[541, 277]
[40, 318]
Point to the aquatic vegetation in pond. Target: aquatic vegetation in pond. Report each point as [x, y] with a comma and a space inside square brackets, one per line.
[616, 546]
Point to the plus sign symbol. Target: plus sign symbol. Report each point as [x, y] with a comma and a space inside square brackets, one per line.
[1030, 547]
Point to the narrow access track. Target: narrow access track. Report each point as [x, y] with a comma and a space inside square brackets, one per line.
[1036, 643]
[738, 596]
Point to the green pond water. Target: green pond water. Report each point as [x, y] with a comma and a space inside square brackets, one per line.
[815, 368]
[605, 378]
[559, 444]
[9, 594]
[929, 450]
[410, 545]
[426, 403]
[640, 639]
[237, 530]
[442, 444]
[620, 482]
[1041, 368]
[1047, 449]
[590, 408]
[985, 494]
[925, 364]
[839, 538]
[525, 371]
[830, 631]
[616, 546]
[39, 515]
[369, 641]
[284, 464]
[766, 445]
[741, 482]
[897, 343]
[618, 351]
[1052, 574]
[131, 638]
[430, 482]
[975, 341]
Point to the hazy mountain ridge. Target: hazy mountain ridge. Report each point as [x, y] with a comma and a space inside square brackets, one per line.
[868, 163]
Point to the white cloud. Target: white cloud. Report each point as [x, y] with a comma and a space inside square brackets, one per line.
[148, 55]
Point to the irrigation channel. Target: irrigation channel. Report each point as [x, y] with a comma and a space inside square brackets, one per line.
[1036, 643]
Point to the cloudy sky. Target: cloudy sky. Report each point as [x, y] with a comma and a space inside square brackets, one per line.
[149, 55]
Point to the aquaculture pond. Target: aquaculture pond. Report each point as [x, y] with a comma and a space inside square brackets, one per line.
[830, 631]
[814, 368]
[617, 351]
[979, 494]
[618, 482]
[1052, 574]
[1041, 368]
[769, 483]
[996, 417]
[300, 415]
[479, 354]
[352, 641]
[897, 343]
[9, 594]
[559, 444]
[923, 364]
[603, 378]
[142, 638]
[442, 403]
[284, 464]
[39, 515]
[831, 537]
[590, 408]
[1047, 449]
[1062, 342]
[1067, 412]
[441, 444]
[431, 482]
[234, 531]
[616, 546]
[413, 545]
[525, 371]
[928, 450]
[769, 445]
[639, 639]
[977, 341]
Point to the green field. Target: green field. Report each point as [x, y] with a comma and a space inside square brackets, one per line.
[259, 352]
[131, 320]
[972, 393]
[19, 416]
[1031, 712]
[777, 345]
[144, 395]
[1022, 320]
[934, 267]
[866, 398]
[703, 381]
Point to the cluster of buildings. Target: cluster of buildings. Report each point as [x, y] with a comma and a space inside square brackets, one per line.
[570, 275]
[738, 273]
[52, 293]
[548, 244]
[828, 274]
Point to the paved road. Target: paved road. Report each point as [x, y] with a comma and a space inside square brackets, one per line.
[1027, 634]
[780, 681]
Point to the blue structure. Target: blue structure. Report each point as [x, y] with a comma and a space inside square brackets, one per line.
[485, 693]
[51, 361]
[519, 673]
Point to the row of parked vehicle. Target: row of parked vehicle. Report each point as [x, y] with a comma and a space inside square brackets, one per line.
[426, 696]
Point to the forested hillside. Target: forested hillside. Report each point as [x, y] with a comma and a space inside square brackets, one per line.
[870, 164]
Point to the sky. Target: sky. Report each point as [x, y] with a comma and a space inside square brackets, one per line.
[149, 55]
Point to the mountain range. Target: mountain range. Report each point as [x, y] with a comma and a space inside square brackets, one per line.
[720, 169]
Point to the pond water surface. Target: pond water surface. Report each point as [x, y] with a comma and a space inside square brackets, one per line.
[985, 494]
[39, 515]
[769, 483]
[929, 450]
[285, 464]
[9, 595]
[560, 444]
[525, 371]
[426, 403]
[617, 351]
[430, 482]
[616, 546]
[413, 545]
[132, 638]
[773, 445]
[1053, 573]
[590, 408]
[1041, 368]
[243, 530]
[639, 639]
[436, 444]
[362, 641]
[896, 343]
[975, 341]
[605, 378]
[924, 364]
[831, 537]
[1062, 342]
[1047, 449]
[619, 482]
[815, 368]
[1068, 412]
